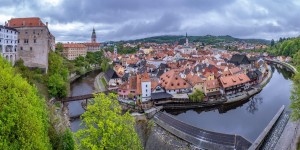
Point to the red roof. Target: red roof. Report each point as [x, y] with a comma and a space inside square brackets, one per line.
[73, 45]
[25, 22]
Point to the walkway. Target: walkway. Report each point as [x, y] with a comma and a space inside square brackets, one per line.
[98, 84]
[199, 137]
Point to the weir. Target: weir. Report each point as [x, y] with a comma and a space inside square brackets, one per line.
[199, 137]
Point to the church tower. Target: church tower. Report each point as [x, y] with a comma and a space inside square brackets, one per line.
[115, 50]
[93, 38]
[186, 40]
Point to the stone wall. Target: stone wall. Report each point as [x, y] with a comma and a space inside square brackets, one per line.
[35, 52]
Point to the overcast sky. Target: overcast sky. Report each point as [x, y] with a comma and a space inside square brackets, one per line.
[73, 20]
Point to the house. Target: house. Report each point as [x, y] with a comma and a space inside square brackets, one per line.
[173, 83]
[212, 88]
[112, 79]
[259, 76]
[239, 59]
[73, 50]
[235, 83]
[195, 81]
[235, 70]
[253, 76]
[144, 84]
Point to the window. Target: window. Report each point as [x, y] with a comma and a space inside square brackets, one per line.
[146, 95]
[146, 90]
[31, 48]
[21, 48]
[34, 40]
[26, 41]
[146, 85]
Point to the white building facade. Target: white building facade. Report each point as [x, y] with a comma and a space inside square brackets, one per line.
[8, 43]
[146, 90]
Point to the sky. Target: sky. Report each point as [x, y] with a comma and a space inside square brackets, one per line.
[73, 20]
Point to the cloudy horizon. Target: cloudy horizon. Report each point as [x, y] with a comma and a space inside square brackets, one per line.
[73, 20]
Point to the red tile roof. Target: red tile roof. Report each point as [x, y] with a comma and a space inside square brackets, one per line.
[212, 84]
[73, 45]
[171, 80]
[25, 22]
[234, 80]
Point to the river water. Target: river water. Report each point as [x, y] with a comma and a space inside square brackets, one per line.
[247, 119]
[83, 85]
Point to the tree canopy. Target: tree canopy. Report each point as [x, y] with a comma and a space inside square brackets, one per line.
[58, 76]
[23, 114]
[105, 127]
[196, 96]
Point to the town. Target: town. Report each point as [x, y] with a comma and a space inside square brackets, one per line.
[146, 79]
[156, 72]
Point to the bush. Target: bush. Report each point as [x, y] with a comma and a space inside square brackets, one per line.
[196, 96]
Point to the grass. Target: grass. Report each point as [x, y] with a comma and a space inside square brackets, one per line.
[104, 82]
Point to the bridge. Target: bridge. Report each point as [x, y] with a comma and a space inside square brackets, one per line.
[200, 137]
[81, 97]
[288, 66]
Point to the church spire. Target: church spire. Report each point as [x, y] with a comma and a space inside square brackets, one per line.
[186, 40]
[93, 38]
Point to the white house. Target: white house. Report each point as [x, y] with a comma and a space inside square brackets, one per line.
[8, 43]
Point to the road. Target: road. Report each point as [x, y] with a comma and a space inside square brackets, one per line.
[98, 84]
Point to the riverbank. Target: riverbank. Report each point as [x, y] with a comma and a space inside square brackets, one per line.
[255, 90]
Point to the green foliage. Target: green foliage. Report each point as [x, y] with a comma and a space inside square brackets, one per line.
[105, 65]
[122, 49]
[103, 82]
[207, 39]
[295, 97]
[196, 96]
[286, 47]
[59, 47]
[58, 76]
[106, 127]
[23, 114]
[272, 42]
[57, 86]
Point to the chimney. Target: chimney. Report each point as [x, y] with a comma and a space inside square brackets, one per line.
[47, 24]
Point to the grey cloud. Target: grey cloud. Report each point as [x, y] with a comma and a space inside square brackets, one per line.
[128, 19]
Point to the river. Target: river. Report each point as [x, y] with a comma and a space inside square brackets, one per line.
[83, 85]
[247, 119]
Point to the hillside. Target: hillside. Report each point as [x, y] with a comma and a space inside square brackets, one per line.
[208, 39]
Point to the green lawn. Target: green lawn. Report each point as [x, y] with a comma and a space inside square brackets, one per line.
[104, 82]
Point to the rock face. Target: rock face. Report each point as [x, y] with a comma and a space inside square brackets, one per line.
[154, 137]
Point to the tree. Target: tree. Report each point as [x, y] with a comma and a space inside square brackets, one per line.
[105, 65]
[105, 127]
[196, 96]
[57, 86]
[23, 115]
[59, 47]
[272, 42]
[58, 76]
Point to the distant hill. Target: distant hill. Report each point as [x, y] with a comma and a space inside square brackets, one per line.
[208, 39]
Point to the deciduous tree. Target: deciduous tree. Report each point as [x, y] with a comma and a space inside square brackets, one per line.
[105, 127]
[23, 114]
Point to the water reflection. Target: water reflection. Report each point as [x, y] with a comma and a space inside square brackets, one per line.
[253, 104]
